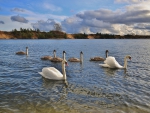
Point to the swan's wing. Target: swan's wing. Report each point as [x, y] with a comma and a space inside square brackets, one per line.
[97, 59]
[51, 73]
[73, 59]
[56, 59]
[111, 61]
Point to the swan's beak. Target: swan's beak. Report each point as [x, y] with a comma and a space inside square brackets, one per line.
[66, 64]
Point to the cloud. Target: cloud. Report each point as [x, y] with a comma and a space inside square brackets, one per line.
[18, 10]
[19, 19]
[44, 25]
[129, 20]
[142, 26]
[2, 22]
[9, 25]
[118, 17]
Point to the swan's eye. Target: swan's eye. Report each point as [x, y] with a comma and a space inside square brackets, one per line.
[130, 58]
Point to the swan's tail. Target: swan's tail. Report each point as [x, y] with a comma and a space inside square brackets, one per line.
[40, 73]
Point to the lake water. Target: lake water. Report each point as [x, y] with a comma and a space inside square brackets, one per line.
[91, 88]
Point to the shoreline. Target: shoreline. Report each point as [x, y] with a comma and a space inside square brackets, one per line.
[62, 35]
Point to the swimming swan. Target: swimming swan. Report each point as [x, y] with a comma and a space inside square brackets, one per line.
[53, 73]
[100, 58]
[56, 59]
[23, 53]
[48, 57]
[73, 59]
[111, 62]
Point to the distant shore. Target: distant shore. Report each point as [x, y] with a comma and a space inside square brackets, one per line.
[26, 34]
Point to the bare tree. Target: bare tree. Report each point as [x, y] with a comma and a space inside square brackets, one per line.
[57, 27]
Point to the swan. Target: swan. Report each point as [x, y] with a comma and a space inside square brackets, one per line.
[23, 53]
[54, 74]
[49, 57]
[100, 58]
[56, 59]
[111, 62]
[73, 59]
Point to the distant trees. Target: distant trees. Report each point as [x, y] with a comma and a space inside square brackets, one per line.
[29, 33]
[80, 36]
[57, 33]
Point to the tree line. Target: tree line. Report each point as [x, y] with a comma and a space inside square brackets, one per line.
[57, 34]
[29, 33]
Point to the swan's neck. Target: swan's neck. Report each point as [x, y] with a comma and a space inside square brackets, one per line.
[54, 54]
[27, 52]
[106, 54]
[64, 56]
[125, 63]
[81, 58]
[64, 71]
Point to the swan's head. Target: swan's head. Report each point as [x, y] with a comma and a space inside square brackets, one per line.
[64, 52]
[128, 57]
[26, 47]
[106, 51]
[64, 62]
[81, 52]
[54, 51]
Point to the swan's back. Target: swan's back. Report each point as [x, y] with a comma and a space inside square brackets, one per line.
[111, 61]
[56, 59]
[46, 58]
[20, 53]
[97, 59]
[51, 73]
[73, 59]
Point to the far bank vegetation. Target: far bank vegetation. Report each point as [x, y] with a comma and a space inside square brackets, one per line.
[58, 34]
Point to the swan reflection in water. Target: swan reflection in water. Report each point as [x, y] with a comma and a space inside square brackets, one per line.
[57, 90]
[112, 72]
[60, 93]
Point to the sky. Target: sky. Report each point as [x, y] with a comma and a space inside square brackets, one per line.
[119, 17]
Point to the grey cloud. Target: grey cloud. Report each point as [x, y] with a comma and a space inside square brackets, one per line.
[142, 26]
[19, 19]
[128, 17]
[44, 25]
[17, 10]
[108, 21]
[2, 22]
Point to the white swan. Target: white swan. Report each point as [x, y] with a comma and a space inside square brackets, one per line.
[73, 59]
[56, 59]
[99, 58]
[23, 53]
[111, 62]
[49, 57]
[53, 73]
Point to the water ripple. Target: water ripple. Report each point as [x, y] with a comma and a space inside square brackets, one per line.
[91, 88]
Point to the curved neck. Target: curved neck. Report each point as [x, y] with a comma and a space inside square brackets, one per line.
[81, 58]
[63, 71]
[125, 63]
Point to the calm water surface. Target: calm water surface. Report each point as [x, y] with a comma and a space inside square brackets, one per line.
[91, 88]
